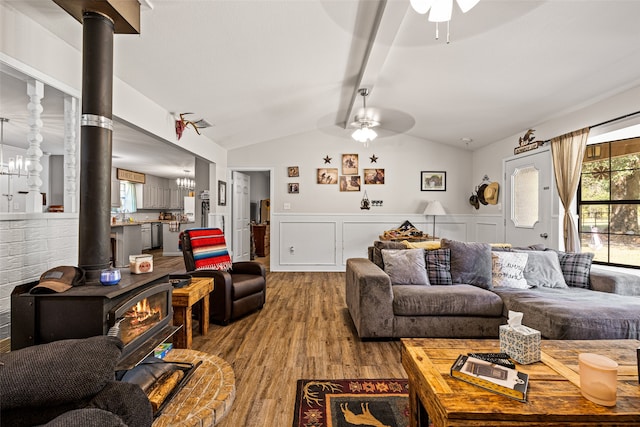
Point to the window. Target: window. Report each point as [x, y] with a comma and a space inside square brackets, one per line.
[127, 197]
[609, 202]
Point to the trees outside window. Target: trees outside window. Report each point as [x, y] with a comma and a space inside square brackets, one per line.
[609, 202]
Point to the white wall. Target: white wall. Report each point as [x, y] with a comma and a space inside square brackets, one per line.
[403, 157]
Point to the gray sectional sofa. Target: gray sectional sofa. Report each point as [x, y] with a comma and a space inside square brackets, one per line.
[459, 296]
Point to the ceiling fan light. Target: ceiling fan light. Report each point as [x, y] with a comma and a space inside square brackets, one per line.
[369, 134]
[441, 11]
[467, 5]
[421, 6]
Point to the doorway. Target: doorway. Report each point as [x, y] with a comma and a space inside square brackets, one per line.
[258, 185]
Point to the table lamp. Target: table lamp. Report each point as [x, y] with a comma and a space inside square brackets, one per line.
[434, 208]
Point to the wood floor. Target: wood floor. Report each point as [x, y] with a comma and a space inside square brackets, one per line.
[303, 331]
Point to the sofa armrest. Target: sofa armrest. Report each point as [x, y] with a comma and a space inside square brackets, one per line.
[614, 282]
[369, 298]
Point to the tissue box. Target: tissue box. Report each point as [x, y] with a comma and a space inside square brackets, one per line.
[139, 264]
[161, 350]
[521, 344]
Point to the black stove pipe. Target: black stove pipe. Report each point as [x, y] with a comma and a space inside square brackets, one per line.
[94, 249]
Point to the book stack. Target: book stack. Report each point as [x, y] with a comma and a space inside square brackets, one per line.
[495, 377]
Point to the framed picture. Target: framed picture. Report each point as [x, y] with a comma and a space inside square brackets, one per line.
[374, 176]
[349, 164]
[293, 171]
[327, 176]
[222, 193]
[350, 183]
[294, 187]
[433, 181]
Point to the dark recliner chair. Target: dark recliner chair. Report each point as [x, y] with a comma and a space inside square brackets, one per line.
[237, 291]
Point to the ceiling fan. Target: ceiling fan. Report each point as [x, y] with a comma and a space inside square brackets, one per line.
[441, 10]
[364, 123]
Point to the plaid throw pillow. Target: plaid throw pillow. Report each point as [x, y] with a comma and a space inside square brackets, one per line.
[439, 266]
[576, 268]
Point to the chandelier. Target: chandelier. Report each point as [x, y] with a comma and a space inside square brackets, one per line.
[186, 182]
[16, 166]
[441, 10]
[364, 132]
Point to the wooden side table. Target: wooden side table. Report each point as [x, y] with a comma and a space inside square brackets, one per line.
[183, 300]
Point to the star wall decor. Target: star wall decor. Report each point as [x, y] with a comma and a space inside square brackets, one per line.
[327, 160]
[374, 159]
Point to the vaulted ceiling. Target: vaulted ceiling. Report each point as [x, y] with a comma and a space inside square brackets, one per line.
[261, 70]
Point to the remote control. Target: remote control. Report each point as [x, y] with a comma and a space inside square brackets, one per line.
[501, 359]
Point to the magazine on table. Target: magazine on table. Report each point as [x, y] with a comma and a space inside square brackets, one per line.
[493, 377]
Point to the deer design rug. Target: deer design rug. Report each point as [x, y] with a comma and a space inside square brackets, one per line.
[348, 403]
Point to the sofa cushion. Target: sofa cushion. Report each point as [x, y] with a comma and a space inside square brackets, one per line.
[470, 262]
[543, 269]
[405, 266]
[508, 269]
[575, 268]
[439, 266]
[573, 313]
[455, 300]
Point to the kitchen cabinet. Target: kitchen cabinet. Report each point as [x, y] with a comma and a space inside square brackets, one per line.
[115, 189]
[155, 193]
[128, 242]
[145, 236]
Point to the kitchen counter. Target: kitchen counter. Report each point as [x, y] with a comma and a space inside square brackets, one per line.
[146, 221]
[170, 239]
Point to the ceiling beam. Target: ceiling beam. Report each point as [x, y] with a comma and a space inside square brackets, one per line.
[387, 22]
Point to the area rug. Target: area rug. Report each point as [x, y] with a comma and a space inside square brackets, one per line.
[345, 403]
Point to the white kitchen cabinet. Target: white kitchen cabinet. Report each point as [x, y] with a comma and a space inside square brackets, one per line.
[115, 189]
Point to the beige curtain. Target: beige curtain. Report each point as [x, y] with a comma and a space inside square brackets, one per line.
[568, 152]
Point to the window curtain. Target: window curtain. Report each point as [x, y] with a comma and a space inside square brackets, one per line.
[567, 152]
[129, 193]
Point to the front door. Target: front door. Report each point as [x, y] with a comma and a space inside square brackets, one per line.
[528, 199]
[241, 222]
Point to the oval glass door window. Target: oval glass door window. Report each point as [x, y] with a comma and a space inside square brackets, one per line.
[525, 203]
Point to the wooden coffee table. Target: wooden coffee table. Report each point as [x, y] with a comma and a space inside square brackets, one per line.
[554, 396]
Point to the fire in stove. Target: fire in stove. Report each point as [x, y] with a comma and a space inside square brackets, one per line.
[142, 316]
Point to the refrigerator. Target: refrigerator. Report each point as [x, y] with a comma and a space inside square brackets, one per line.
[190, 208]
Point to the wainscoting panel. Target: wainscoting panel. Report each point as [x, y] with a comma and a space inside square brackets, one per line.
[314, 242]
[308, 243]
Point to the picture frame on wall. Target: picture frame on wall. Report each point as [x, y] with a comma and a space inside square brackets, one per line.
[350, 183]
[349, 164]
[293, 171]
[222, 193]
[293, 188]
[433, 181]
[373, 176]
[327, 176]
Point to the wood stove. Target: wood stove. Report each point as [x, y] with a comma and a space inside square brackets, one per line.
[140, 306]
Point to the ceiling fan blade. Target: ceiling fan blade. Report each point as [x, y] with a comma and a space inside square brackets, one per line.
[421, 6]
[441, 11]
[467, 5]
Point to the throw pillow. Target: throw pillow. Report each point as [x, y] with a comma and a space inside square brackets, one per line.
[470, 263]
[576, 268]
[427, 246]
[543, 269]
[378, 246]
[405, 266]
[439, 266]
[508, 270]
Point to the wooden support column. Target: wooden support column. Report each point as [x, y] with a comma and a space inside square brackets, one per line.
[35, 91]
